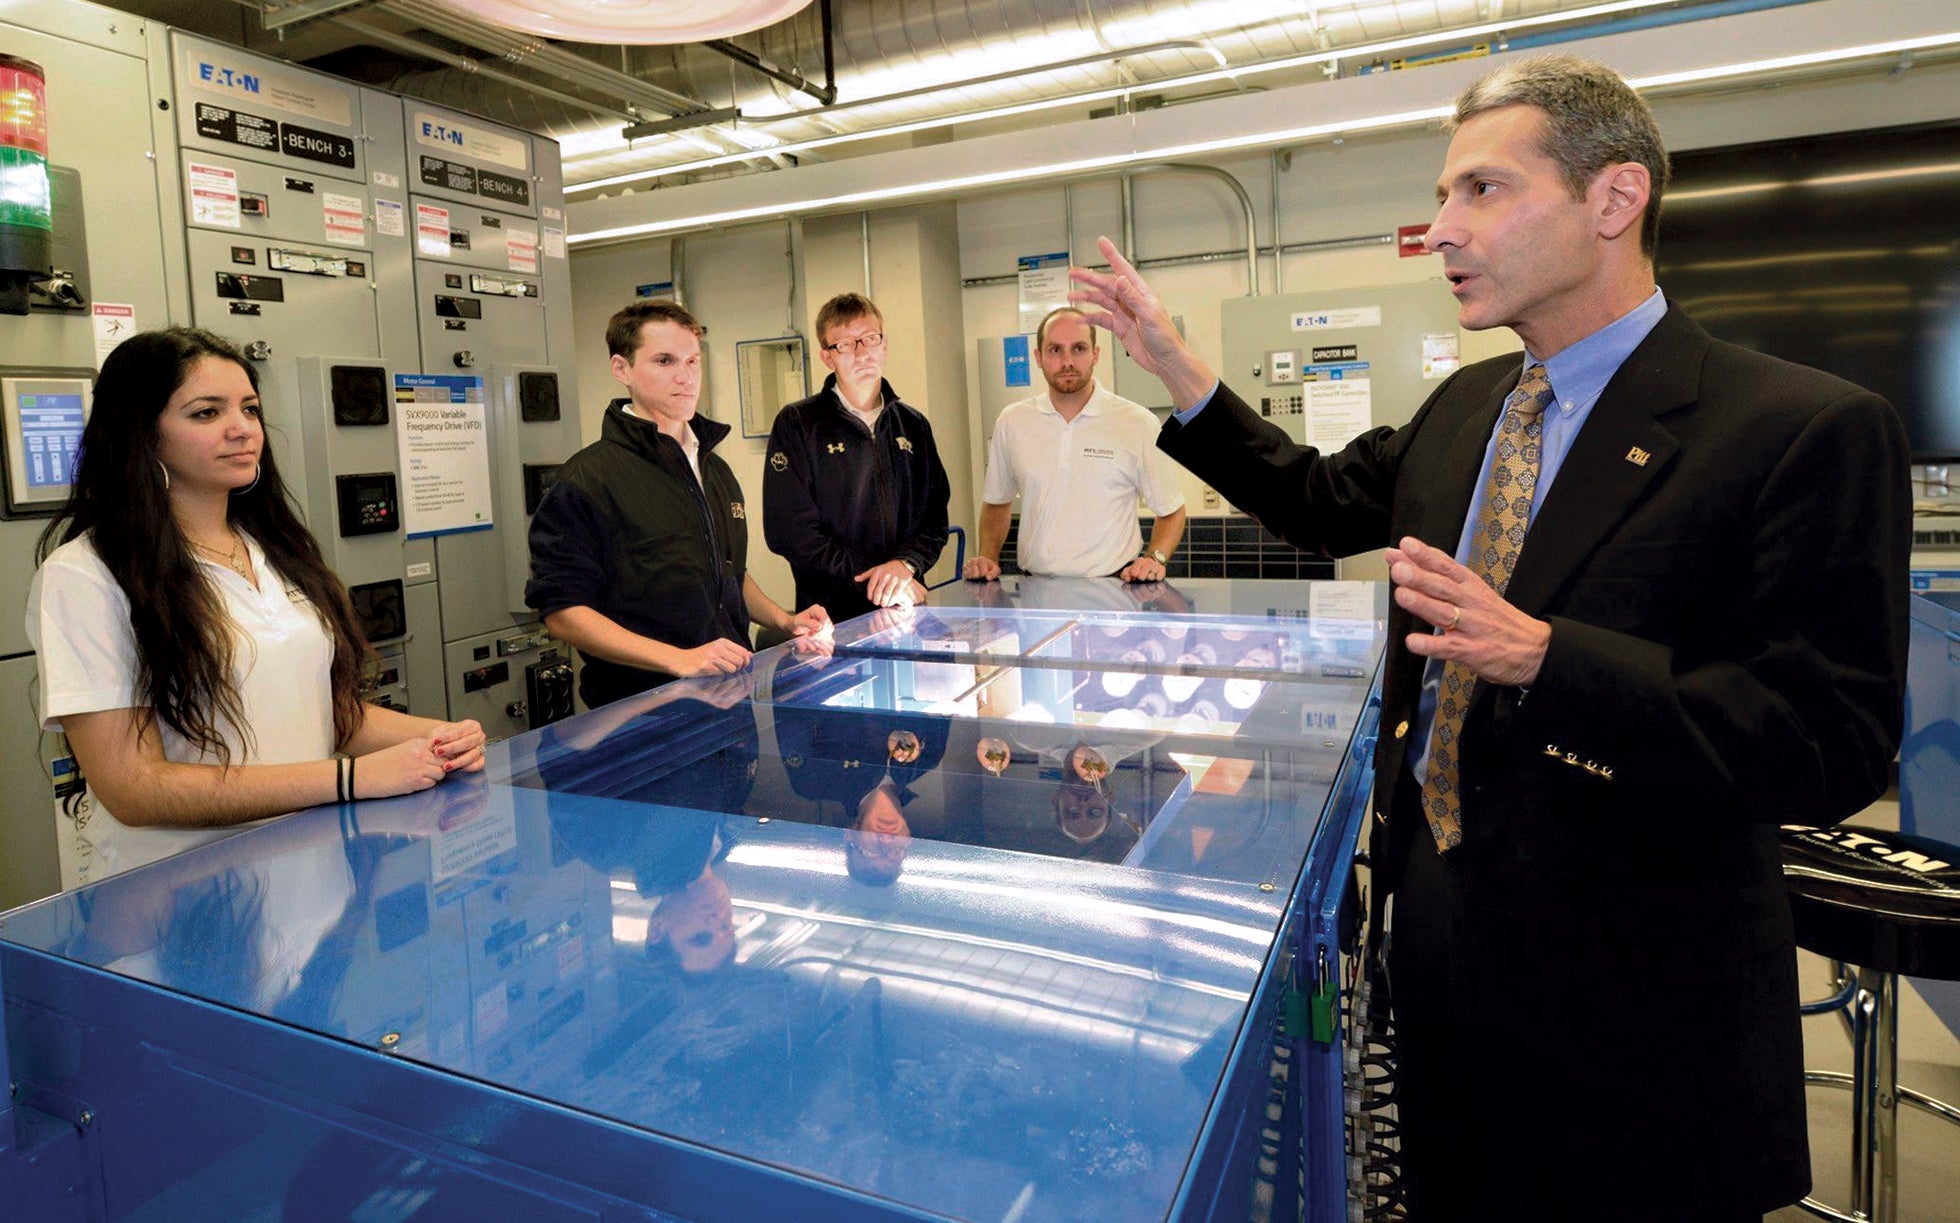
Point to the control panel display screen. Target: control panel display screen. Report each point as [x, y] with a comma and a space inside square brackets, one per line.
[44, 411]
[51, 433]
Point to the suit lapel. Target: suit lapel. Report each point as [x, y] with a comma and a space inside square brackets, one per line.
[1619, 452]
[1445, 512]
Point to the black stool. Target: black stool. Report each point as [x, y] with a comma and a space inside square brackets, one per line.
[1879, 905]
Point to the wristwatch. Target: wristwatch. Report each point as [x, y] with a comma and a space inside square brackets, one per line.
[1157, 556]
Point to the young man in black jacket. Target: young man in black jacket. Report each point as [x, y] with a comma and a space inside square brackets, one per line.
[639, 551]
[854, 496]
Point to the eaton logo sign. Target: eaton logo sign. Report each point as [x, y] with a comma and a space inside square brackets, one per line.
[442, 133]
[225, 78]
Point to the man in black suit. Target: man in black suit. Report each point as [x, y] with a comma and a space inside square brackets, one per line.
[1592, 731]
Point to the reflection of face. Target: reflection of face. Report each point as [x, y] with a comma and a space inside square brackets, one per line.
[664, 376]
[903, 746]
[1068, 354]
[699, 921]
[209, 433]
[1081, 812]
[874, 850]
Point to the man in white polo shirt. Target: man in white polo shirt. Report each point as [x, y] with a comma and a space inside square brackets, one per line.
[1080, 459]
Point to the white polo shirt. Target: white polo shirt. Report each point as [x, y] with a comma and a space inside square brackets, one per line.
[78, 623]
[1079, 482]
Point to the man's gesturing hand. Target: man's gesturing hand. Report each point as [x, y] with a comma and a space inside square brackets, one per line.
[1499, 643]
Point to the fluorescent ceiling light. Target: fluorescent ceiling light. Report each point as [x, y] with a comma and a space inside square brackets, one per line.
[1827, 180]
[1363, 51]
[1294, 135]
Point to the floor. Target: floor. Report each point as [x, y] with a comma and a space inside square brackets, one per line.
[1929, 1061]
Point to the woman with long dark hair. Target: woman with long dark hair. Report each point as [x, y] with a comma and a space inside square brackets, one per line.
[202, 659]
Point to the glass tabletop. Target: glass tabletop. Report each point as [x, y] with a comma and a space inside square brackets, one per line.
[962, 908]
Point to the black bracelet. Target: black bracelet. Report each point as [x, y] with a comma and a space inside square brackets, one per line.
[351, 797]
[339, 778]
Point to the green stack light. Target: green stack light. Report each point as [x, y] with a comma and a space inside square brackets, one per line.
[26, 212]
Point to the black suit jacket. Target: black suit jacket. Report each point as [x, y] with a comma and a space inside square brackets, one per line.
[1723, 562]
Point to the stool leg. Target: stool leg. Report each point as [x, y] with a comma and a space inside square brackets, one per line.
[1885, 1193]
[1875, 1096]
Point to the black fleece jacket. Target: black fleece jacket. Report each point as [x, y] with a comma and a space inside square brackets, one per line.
[627, 531]
[838, 499]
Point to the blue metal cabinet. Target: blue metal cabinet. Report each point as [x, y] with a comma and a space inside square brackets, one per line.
[1929, 758]
[984, 912]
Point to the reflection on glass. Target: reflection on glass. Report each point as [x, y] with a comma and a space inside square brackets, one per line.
[1089, 764]
[994, 755]
[1243, 693]
[1180, 688]
[1121, 683]
[1081, 812]
[903, 746]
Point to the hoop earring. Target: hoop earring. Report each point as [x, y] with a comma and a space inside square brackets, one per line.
[258, 469]
[166, 475]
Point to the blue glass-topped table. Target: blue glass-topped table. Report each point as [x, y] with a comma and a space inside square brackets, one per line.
[978, 912]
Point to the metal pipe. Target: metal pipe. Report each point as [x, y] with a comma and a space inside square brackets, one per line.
[543, 56]
[864, 240]
[789, 262]
[1068, 222]
[677, 269]
[749, 59]
[994, 78]
[829, 51]
[1129, 220]
[462, 63]
[301, 11]
[1238, 189]
[1279, 272]
[1231, 255]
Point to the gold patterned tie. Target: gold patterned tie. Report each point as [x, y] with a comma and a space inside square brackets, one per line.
[1501, 524]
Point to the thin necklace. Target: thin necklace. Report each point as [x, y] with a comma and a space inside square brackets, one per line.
[234, 559]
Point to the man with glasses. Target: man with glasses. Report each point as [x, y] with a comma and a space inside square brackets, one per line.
[854, 495]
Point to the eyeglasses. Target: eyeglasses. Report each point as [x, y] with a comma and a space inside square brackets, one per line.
[869, 343]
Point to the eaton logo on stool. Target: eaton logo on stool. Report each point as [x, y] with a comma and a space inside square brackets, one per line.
[1882, 849]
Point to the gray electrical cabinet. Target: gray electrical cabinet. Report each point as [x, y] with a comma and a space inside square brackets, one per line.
[1291, 355]
[486, 212]
[279, 207]
[292, 251]
[110, 238]
[1325, 366]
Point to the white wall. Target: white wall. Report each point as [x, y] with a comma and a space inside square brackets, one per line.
[1363, 186]
[763, 281]
[1367, 185]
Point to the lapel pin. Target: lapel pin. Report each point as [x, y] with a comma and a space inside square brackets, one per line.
[1638, 457]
